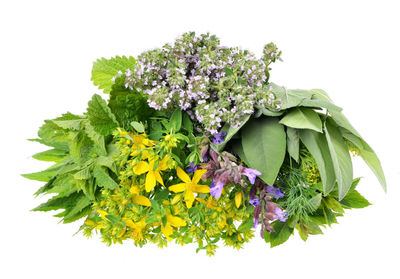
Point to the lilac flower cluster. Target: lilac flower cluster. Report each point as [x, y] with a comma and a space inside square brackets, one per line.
[265, 210]
[213, 83]
[224, 169]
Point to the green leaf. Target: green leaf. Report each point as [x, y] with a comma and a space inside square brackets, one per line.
[368, 155]
[103, 179]
[104, 70]
[156, 206]
[333, 204]
[238, 149]
[187, 123]
[245, 226]
[175, 121]
[230, 132]
[228, 72]
[315, 201]
[100, 116]
[319, 104]
[281, 234]
[340, 157]
[264, 146]
[81, 203]
[354, 200]
[139, 127]
[43, 176]
[293, 143]
[69, 124]
[58, 202]
[113, 219]
[317, 145]
[52, 155]
[162, 195]
[302, 118]
[342, 121]
[95, 137]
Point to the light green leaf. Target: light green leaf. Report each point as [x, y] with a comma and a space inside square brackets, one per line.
[238, 149]
[69, 124]
[333, 204]
[293, 143]
[43, 176]
[315, 201]
[317, 145]
[369, 156]
[83, 174]
[342, 121]
[103, 179]
[340, 157]
[100, 116]
[320, 104]
[104, 70]
[302, 118]
[52, 155]
[264, 146]
[175, 121]
[281, 234]
[81, 203]
[354, 200]
[139, 127]
[230, 132]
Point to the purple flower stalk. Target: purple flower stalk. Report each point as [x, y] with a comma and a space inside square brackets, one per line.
[192, 168]
[216, 189]
[275, 192]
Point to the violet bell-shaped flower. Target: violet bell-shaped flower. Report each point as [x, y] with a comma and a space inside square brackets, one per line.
[251, 174]
[216, 189]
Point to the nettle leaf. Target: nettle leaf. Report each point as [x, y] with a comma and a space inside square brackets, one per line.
[340, 157]
[51, 155]
[264, 146]
[368, 155]
[104, 70]
[230, 132]
[302, 118]
[317, 145]
[97, 138]
[139, 127]
[354, 200]
[100, 116]
[103, 179]
[293, 143]
[69, 124]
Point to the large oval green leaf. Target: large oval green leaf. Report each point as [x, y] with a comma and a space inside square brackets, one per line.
[318, 147]
[264, 146]
[340, 157]
[302, 118]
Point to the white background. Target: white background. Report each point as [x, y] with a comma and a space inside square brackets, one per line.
[349, 48]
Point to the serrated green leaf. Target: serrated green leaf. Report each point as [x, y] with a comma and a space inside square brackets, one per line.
[69, 124]
[104, 70]
[333, 204]
[103, 179]
[340, 157]
[139, 127]
[354, 200]
[97, 138]
[100, 116]
[264, 146]
[81, 203]
[302, 118]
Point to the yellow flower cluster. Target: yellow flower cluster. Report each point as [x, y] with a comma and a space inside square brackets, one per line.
[157, 201]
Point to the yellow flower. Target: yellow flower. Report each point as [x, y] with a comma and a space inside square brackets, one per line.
[190, 185]
[141, 200]
[172, 221]
[238, 199]
[210, 203]
[137, 228]
[140, 144]
[152, 175]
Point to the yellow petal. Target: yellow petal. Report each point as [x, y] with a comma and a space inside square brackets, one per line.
[102, 213]
[238, 199]
[134, 190]
[197, 175]
[141, 200]
[90, 223]
[141, 168]
[176, 199]
[121, 233]
[182, 175]
[175, 221]
[130, 224]
[177, 188]
[189, 198]
[201, 189]
[159, 178]
[150, 181]
[167, 231]
[163, 163]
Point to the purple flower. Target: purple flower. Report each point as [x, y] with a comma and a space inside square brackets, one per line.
[280, 214]
[219, 138]
[192, 168]
[254, 201]
[275, 192]
[216, 189]
[251, 174]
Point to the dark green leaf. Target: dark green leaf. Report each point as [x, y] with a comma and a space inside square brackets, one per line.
[100, 116]
[176, 120]
[281, 234]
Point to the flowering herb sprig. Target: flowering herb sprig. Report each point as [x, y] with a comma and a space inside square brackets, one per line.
[196, 145]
